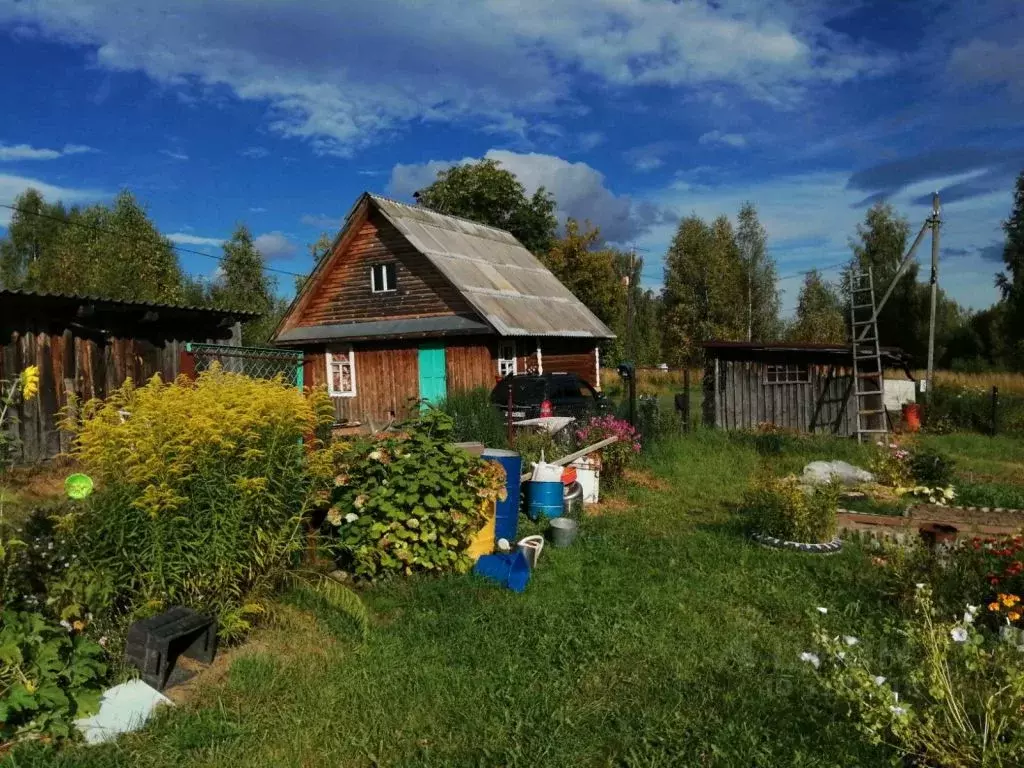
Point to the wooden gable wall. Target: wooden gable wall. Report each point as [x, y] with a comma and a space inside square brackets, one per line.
[343, 292]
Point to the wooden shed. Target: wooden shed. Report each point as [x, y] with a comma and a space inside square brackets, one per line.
[89, 345]
[410, 305]
[804, 387]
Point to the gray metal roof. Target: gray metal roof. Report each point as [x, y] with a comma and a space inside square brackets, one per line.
[381, 328]
[502, 280]
[51, 295]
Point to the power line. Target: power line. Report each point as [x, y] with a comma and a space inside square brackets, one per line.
[120, 236]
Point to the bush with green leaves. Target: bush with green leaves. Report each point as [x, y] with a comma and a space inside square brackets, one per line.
[50, 674]
[942, 692]
[783, 508]
[931, 468]
[410, 501]
[475, 418]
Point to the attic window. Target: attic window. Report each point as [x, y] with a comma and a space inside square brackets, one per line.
[382, 278]
[787, 374]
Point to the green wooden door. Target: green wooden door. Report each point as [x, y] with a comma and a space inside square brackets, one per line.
[433, 380]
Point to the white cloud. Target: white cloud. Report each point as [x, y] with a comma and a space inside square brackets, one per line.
[275, 245]
[649, 157]
[256, 153]
[342, 74]
[174, 154]
[15, 152]
[982, 62]
[12, 186]
[321, 221]
[184, 238]
[728, 139]
[257, 209]
[578, 189]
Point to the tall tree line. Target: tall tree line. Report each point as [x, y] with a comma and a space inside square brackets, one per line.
[116, 251]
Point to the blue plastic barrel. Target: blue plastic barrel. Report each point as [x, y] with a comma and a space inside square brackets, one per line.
[507, 522]
[544, 499]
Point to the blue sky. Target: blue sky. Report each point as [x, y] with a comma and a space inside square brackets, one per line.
[632, 112]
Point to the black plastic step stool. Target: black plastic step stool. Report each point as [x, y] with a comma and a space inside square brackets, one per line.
[154, 645]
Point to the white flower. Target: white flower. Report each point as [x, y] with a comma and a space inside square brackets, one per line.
[920, 585]
[959, 634]
[973, 609]
[66, 624]
[811, 658]
[898, 711]
[850, 640]
[103, 641]
[822, 611]
[841, 655]
[351, 517]
[879, 680]
[968, 617]
[376, 455]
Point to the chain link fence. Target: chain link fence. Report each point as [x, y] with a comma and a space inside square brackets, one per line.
[255, 362]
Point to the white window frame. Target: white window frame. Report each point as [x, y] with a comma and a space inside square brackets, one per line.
[503, 362]
[383, 267]
[787, 373]
[341, 357]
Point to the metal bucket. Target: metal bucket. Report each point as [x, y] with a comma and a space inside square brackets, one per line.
[572, 501]
[563, 531]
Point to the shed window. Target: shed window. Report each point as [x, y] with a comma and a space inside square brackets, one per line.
[506, 358]
[382, 278]
[787, 373]
[341, 373]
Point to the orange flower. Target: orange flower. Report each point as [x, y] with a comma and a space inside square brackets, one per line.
[994, 606]
[1013, 615]
[1009, 600]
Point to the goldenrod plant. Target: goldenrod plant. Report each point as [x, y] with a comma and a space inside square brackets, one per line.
[204, 493]
[23, 387]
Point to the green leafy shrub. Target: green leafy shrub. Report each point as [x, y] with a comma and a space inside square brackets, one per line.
[616, 457]
[990, 495]
[950, 696]
[533, 444]
[964, 408]
[475, 418]
[931, 468]
[202, 492]
[782, 507]
[49, 675]
[409, 500]
[771, 439]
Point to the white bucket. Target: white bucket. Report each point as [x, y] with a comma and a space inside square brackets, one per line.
[588, 475]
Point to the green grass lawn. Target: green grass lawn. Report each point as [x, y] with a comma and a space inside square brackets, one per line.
[662, 638]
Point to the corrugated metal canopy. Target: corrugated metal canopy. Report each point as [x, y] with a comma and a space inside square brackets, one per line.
[502, 280]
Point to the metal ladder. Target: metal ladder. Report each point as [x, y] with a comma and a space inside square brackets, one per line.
[868, 375]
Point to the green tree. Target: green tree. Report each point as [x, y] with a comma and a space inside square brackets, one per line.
[1011, 280]
[487, 193]
[760, 277]
[31, 238]
[589, 271]
[819, 313]
[702, 298]
[243, 284]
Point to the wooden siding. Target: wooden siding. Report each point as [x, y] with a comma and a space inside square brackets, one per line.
[85, 366]
[570, 356]
[471, 364]
[742, 399]
[344, 295]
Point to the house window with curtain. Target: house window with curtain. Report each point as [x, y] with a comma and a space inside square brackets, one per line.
[341, 373]
[506, 358]
[787, 373]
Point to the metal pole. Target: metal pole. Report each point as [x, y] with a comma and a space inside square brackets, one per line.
[630, 343]
[936, 222]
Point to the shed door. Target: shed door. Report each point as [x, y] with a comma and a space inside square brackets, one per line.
[433, 381]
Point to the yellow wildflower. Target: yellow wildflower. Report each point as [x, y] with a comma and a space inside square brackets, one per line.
[78, 626]
[30, 686]
[29, 382]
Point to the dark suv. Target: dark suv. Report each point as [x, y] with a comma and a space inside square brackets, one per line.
[548, 394]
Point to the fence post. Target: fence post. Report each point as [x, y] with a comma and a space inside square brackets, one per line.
[686, 399]
[300, 373]
[995, 410]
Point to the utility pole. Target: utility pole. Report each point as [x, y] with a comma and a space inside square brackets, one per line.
[936, 223]
[628, 282]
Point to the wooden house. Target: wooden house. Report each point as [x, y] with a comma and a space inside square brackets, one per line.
[804, 387]
[409, 305]
[88, 346]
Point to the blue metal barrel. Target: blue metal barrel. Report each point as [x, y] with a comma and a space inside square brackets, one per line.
[507, 522]
[544, 499]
